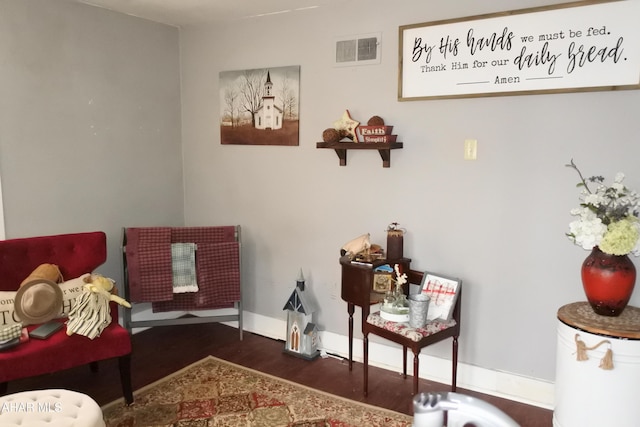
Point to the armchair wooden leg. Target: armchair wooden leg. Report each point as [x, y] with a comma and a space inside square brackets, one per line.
[366, 363]
[124, 362]
[454, 361]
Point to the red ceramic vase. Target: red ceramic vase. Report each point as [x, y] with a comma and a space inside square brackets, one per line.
[608, 281]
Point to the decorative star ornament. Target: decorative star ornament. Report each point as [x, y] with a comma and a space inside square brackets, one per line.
[347, 126]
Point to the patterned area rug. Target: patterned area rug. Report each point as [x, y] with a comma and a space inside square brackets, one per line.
[213, 392]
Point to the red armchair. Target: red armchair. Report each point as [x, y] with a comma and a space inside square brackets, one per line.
[75, 254]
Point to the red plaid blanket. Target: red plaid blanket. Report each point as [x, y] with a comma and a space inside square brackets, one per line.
[148, 255]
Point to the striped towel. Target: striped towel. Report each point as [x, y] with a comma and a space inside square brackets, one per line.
[90, 314]
[183, 265]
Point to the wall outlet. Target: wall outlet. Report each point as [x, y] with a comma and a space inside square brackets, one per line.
[470, 149]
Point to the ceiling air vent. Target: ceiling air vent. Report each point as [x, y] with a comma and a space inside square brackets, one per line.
[363, 49]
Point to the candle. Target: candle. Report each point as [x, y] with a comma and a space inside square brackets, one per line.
[395, 243]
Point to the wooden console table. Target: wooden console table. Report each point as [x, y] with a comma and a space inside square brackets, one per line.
[357, 289]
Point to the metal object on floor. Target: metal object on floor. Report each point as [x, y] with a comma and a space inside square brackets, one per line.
[461, 410]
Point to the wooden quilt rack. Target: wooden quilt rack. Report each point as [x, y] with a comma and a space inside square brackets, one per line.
[129, 323]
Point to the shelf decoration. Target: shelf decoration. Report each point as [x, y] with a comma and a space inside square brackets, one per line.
[331, 135]
[347, 134]
[346, 127]
[376, 131]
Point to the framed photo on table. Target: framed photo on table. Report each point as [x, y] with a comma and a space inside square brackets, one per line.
[382, 282]
[443, 294]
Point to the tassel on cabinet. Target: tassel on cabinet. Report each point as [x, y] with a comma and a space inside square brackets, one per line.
[581, 349]
[607, 361]
[581, 353]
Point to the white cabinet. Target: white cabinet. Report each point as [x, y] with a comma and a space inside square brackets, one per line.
[597, 368]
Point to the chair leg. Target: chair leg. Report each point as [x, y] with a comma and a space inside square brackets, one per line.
[3, 388]
[416, 376]
[404, 362]
[366, 363]
[94, 367]
[124, 362]
[454, 361]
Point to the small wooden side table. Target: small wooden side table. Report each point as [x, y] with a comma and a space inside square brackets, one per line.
[357, 289]
[597, 368]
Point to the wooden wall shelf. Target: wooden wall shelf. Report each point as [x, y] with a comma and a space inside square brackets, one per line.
[384, 148]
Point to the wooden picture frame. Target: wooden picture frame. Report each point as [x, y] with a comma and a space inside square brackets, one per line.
[443, 294]
[260, 106]
[382, 282]
[571, 47]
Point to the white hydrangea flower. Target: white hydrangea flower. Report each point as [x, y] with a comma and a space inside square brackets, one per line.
[606, 211]
[576, 211]
[619, 187]
[593, 199]
[587, 232]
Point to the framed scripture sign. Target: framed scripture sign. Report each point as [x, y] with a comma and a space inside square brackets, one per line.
[570, 47]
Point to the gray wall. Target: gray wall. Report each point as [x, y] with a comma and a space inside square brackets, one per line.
[89, 122]
[90, 138]
[498, 222]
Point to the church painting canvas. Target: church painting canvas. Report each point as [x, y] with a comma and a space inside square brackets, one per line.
[260, 106]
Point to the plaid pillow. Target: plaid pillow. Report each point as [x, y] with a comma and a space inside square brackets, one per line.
[11, 332]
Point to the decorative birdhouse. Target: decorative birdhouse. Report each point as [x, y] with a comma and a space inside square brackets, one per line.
[302, 334]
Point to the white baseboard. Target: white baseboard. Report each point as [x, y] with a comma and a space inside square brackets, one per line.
[506, 385]
[501, 384]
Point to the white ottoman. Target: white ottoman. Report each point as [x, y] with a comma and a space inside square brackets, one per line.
[50, 408]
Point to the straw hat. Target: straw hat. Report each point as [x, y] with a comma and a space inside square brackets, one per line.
[38, 301]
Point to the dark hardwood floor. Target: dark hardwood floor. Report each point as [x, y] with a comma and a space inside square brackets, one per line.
[162, 350]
